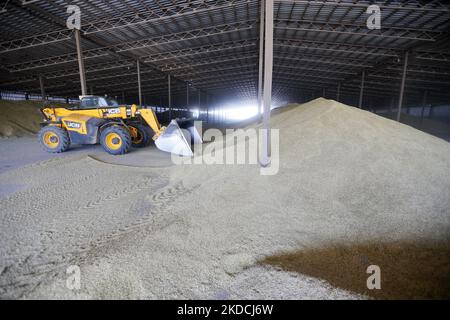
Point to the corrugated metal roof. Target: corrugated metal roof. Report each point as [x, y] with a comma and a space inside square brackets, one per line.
[213, 44]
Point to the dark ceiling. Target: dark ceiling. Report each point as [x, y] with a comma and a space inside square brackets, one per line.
[214, 45]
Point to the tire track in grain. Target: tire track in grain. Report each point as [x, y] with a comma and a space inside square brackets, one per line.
[27, 276]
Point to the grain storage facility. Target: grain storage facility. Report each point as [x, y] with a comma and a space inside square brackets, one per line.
[118, 143]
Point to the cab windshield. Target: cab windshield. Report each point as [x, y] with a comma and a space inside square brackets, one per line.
[112, 102]
[97, 102]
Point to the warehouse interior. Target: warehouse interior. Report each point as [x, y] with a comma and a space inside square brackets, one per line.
[356, 173]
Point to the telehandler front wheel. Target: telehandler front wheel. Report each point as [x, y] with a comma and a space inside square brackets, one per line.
[54, 139]
[115, 140]
[140, 135]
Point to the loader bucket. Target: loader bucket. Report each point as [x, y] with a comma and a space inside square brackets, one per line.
[178, 137]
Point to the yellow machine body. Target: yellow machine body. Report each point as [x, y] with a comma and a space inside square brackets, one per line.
[114, 127]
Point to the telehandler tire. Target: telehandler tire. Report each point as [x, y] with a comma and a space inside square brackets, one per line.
[54, 139]
[115, 140]
[141, 137]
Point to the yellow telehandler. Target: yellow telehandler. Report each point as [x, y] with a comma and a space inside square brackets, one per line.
[117, 128]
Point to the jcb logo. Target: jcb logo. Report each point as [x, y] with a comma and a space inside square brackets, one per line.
[73, 125]
[114, 111]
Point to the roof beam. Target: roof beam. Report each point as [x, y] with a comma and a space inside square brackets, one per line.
[170, 12]
[304, 25]
[432, 6]
[432, 56]
[336, 47]
[297, 67]
[208, 61]
[354, 29]
[68, 73]
[53, 61]
[33, 41]
[185, 36]
[103, 84]
[155, 41]
[207, 49]
[410, 79]
[216, 70]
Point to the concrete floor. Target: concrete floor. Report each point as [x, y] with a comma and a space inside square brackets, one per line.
[18, 152]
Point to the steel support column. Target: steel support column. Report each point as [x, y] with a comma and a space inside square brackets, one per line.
[424, 105]
[402, 86]
[392, 106]
[187, 95]
[138, 66]
[207, 108]
[261, 57]
[81, 63]
[169, 92]
[41, 83]
[268, 66]
[361, 92]
[338, 94]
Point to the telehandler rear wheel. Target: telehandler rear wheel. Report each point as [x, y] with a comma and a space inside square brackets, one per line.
[54, 139]
[115, 140]
[140, 135]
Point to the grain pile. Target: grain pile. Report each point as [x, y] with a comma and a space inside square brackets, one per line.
[346, 177]
[19, 118]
